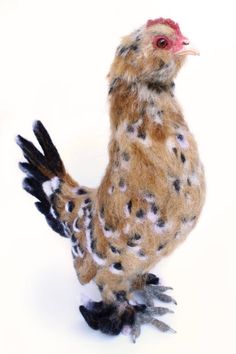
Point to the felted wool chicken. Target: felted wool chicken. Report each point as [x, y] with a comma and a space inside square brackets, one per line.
[152, 192]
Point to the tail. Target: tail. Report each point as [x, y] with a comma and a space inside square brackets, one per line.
[45, 174]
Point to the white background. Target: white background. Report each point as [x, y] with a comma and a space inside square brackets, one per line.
[54, 57]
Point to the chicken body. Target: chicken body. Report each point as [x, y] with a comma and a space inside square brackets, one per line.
[152, 192]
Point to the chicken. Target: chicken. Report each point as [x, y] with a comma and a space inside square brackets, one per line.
[152, 192]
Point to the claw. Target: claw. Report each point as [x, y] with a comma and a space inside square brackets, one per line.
[162, 326]
[163, 289]
[165, 298]
[158, 311]
[155, 290]
[136, 330]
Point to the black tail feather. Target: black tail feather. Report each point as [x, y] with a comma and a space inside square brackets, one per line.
[49, 164]
[31, 153]
[33, 187]
[42, 167]
[52, 156]
[44, 208]
[55, 224]
[32, 171]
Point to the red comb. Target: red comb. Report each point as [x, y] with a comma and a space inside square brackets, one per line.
[164, 21]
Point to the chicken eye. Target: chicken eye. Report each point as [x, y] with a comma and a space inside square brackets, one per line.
[162, 43]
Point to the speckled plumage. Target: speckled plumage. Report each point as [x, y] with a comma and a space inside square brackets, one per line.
[152, 192]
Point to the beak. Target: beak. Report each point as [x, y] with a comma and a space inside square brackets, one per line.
[188, 50]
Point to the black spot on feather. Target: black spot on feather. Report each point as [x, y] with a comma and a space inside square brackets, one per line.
[137, 236]
[118, 266]
[180, 137]
[141, 253]
[131, 243]
[122, 182]
[70, 206]
[142, 135]
[115, 250]
[125, 156]
[140, 214]
[73, 239]
[113, 85]
[160, 222]
[124, 50]
[129, 205]
[81, 191]
[130, 128]
[161, 247]
[176, 185]
[183, 158]
[154, 208]
[175, 151]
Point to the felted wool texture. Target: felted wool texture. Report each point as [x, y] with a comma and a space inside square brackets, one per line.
[153, 188]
